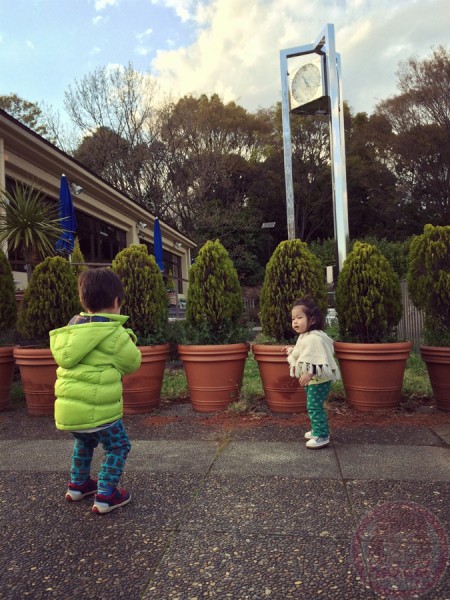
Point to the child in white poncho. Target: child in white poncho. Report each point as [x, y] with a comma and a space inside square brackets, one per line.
[311, 361]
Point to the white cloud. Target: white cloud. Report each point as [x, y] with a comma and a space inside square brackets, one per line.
[142, 50]
[236, 53]
[95, 50]
[146, 33]
[29, 44]
[97, 19]
[186, 10]
[102, 4]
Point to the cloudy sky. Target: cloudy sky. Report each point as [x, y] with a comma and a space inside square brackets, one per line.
[230, 47]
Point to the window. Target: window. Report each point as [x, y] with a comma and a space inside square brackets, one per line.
[99, 242]
[172, 263]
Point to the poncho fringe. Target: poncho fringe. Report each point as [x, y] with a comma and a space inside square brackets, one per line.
[313, 354]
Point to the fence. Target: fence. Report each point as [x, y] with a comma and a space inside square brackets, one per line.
[410, 326]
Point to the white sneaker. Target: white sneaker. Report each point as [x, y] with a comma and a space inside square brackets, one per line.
[318, 442]
[308, 435]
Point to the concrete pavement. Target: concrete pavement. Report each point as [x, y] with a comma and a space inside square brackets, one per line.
[230, 513]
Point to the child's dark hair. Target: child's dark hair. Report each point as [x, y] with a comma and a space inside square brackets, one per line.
[98, 289]
[313, 313]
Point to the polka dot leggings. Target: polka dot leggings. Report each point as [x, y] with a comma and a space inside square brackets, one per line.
[116, 445]
[315, 397]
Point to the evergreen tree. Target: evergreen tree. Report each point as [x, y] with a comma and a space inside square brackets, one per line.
[50, 300]
[8, 310]
[293, 272]
[145, 300]
[368, 297]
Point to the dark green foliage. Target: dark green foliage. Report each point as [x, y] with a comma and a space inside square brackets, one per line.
[325, 251]
[429, 281]
[145, 294]
[395, 252]
[50, 300]
[8, 310]
[293, 272]
[368, 297]
[214, 299]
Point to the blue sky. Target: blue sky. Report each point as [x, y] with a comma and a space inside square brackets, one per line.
[230, 47]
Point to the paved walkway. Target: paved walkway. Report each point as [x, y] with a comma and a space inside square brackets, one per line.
[230, 514]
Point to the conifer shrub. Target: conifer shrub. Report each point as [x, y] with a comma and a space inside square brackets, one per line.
[170, 283]
[8, 310]
[214, 299]
[77, 257]
[145, 300]
[50, 300]
[292, 272]
[429, 281]
[368, 297]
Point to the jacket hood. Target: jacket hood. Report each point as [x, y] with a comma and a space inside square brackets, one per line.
[70, 344]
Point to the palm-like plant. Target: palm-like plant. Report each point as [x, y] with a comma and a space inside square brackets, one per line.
[29, 222]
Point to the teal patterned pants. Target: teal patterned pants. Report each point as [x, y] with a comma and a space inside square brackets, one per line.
[116, 446]
[315, 398]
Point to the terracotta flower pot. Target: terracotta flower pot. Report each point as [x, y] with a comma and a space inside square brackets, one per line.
[214, 374]
[38, 375]
[6, 375]
[283, 393]
[142, 389]
[372, 374]
[437, 360]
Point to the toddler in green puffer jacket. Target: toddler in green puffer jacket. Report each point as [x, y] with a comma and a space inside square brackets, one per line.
[93, 352]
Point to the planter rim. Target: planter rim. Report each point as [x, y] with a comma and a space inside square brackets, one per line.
[200, 347]
[26, 349]
[374, 346]
[275, 345]
[434, 348]
[165, 345]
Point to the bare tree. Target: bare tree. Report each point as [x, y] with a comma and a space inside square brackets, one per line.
[116, 111]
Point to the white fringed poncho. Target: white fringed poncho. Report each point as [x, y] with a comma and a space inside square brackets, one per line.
[313, 353]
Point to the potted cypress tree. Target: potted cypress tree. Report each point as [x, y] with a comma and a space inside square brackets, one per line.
[170, 287]
[215, 344]
[369, 308]
[49, 302]
[77, 259]
[429, 287]
[8, 317]
[146, 306]
[292, 272]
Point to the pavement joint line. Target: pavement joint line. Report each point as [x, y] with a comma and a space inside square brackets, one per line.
[178, 525]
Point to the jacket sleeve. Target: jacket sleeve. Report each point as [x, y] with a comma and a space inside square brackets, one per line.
[128, 356]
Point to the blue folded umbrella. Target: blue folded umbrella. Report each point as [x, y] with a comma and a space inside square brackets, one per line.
[157, 245]
[65, 243]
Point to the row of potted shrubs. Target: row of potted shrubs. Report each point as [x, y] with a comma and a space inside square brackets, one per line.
[368, 304]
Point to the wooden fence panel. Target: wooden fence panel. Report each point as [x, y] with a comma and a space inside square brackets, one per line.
[410, 326]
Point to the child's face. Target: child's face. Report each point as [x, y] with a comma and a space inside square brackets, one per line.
[300, 323]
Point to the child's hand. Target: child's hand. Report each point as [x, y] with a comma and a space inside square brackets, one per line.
[305, 379]
[287, 349]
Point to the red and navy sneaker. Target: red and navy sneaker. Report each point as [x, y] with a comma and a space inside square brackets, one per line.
[105, 504]
[79, 491]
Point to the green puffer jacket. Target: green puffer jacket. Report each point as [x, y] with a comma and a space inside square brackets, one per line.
[91, 358]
